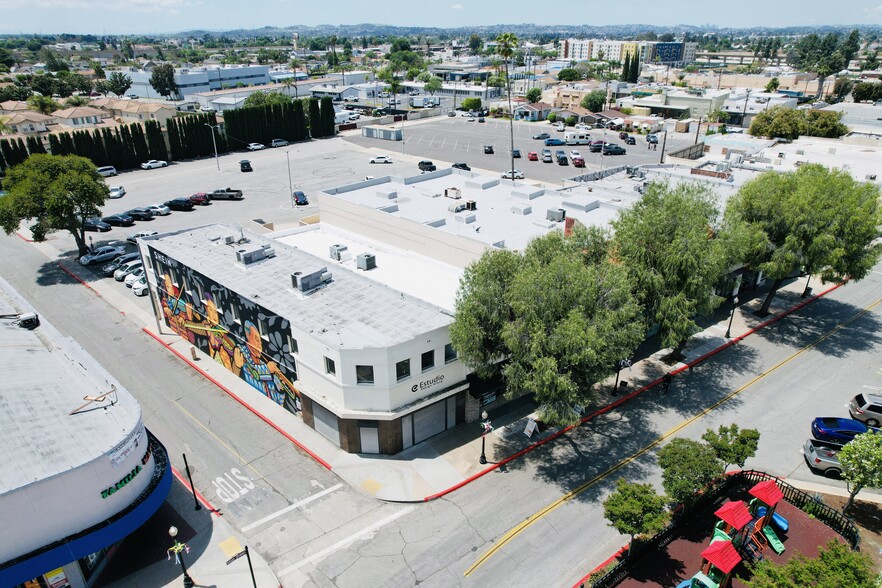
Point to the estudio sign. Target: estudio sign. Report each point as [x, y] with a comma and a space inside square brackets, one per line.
[426, 384]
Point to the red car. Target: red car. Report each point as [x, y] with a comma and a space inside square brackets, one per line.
[533, 156]
[578, 162]
[200, 198]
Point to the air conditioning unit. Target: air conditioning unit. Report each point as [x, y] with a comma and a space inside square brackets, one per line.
[269, 251]
[249, 256]
[336, 251]
[366, 261]
[306, 282]
[556, 215]
[457, 207]
[229, 239]
[471, 205]
[454, 193]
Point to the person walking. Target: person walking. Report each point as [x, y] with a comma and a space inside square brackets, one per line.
[666, 383]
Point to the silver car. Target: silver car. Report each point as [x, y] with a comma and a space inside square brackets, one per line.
[823, 456]
[866, 408]
[120, 274]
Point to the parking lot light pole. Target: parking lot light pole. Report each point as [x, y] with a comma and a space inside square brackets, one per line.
[731, 317]
[290, 187]
[214, 142]
[486, 427]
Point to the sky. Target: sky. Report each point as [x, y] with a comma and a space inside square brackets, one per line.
[105, 17]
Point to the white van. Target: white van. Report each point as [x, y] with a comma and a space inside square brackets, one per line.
[577, 138]
[107, 171]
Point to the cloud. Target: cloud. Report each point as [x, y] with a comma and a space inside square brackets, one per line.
[117, 5]
[874, 9]
[457, 6]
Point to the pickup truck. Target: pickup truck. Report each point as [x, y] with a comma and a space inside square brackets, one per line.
[823, 456]
[226, 194]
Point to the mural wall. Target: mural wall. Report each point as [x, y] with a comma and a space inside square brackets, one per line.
[224, 325]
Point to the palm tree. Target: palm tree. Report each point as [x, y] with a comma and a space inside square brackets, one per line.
[507, 44]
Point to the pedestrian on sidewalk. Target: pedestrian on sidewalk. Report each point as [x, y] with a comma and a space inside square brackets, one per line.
[666, 383]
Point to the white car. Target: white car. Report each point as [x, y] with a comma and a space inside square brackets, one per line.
[381, 159]
[136, 275]
[117, 192]
[575, 153]
[256, 146]
[514, 174]
[102, 254]
[140, 286]
[133, 238]
[153, 164]
[158, 209]
[354, 116]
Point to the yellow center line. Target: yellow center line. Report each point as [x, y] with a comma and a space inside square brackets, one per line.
[219, 440]
[517, 530]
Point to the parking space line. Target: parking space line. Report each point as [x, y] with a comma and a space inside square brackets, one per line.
[294, 506]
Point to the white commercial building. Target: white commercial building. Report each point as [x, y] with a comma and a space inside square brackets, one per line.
[200, 79]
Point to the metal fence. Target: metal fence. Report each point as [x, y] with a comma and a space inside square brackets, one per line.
[738, 481]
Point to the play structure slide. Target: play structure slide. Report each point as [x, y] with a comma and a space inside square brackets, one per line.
[776, 544]
[777, 519]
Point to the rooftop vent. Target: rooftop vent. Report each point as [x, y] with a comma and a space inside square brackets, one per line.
[229, 239]
[247, 256]
[311, 281]
[456, 207]
[336, 251]
[366, 261]
[454, 193]
[556, 215]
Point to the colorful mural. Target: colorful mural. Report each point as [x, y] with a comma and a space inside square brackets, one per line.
[224, 325]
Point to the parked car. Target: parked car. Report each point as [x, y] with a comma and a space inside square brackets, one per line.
[651, 138]
[119, 260]
[132, 277]
[179, 204]
[140, 286]
[578, 162]
[488, 149]
[480, 119]
[451, 113]
[554, 142]
[245, 166]
[141, 214]
[200, 198]
[95, 224]
[546, 156]
[516, 153]
[116, 192]
[471, 118]
[255, 146]
[623, 135]
[630, 141]
[561, 157]
[462, 166]
[837, 429]
[153, 164]
[596, 146]
[226, 194]
[613, 149]
[125, 269]
[300, 198]
[133, 238]
[541, 136]
[426, 166]
[119, 220]
[102, 254]
[533, 156]
[823, 456]
[158, 209]
[354, 116]
[866, 408]
[278, 143]
[575, 153]
[380, 159]
[513, 174]
[107, 171]
[560, 127]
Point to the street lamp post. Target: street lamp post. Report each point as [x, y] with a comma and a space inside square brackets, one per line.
[214, 143]
[731, 317]
[486, 428]
[290, 186]
[178, 548]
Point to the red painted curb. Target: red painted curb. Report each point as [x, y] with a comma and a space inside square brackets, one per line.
[23, 238]
[79, 279]
[254, 411]
[581, 582]
[199, 496]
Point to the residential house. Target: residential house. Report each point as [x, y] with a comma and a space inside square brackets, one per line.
[28, 122]
[532, 112]
[11, 106]
[130, 111]
[79, 117]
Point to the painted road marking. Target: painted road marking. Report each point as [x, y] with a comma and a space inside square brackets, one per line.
[296, 505]
[347, 541]
[573, 493]
[228, 488]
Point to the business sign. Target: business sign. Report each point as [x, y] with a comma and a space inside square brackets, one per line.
[128, 477]
[427, 384]
[125, 447]
[530, 428]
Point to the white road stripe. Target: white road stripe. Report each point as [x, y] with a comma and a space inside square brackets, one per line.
[348, 540]
[279, 513]
[870, 388]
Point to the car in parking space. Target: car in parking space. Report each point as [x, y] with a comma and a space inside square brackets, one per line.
[117, 192]
[158, 209]
[462, 166]
[480, 119]
[652, 138]
[533, 156]
[200, 198]
[300, 198]
[630, 140]
[141, 214]
[471, 118]
[106, 171]
[426, 166]
[560, 127]
[596, 146]
[95, 224]
[516, 153]
[354, 116]
[139, 288]
[488, 149]
[554, 142]
[153, 164]
[125, 269]
[180, 204]
[380, 159]
[133, 238]
[119, 260]
[255, 146]
[866, 408]
[119, 220]
[278, 143]
[546, 156]
[561, 157]
[132, 277]
[837, 429]
[451, 113]
[245, 166]
[823, 456]
[623, 135]
[513, 174]
[575, 153]
[613, 149]
[542, 136]
[578, 162]
[102, 254]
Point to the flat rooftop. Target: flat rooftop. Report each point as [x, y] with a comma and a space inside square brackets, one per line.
[45, 377]
[859, 160]
[350, 311]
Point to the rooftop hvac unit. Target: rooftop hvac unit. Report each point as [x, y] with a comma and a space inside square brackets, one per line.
[249, 256]
[306, 282]
[366, 261]
[269, 251]
[723, 166]
[870, 177]
[457, 207]
[336, 251]
[736, 159]
[454, 193]
[556, 215]
[229, 239]
[471, 205]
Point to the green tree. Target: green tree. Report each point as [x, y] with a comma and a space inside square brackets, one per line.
[119, 83]
[731, 445]
[863, 91]
[676, 247]
[593, 100]
[773, 85]
[6, 58]
[835, 567]
[534, 95]
[163, 80]
[54, 192]
[824, 123]
[471, 103]
[76, 101]
[635, 509]
[507, 43]
[568, 74]
[861, 461]
[779, 121]
[432, 85]
[98, 69]
[475, 44]
[42, 104]
[265, 98]
[717, 116]
[815, 219]
[688, 467]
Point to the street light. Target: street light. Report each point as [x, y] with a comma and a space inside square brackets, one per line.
[731, 316]
[178, 548]
[290, 187]
[486, 428]
[214, 142]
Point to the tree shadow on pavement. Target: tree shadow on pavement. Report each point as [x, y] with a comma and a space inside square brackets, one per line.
[50, 274]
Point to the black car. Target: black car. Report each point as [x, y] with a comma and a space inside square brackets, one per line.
[180, 204]
[631, 140]
[596, 146]
[488, 149]
[462, 166]
[561, 158]
[542, 136]
[245, 166]
[426, 166]
[480, 119]
[95, 224]
[119, 220]
[613, 149]
[141, 214]
[300, 198]
[516, 153]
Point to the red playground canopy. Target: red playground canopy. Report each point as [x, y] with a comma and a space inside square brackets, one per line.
[722, 555]
[767, 492]
[735, 513]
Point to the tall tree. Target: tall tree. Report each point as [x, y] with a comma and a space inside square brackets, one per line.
[688, 467]
[635, 509]
[835, 567]
[163, 80]
[533, 95]
[55, 193]
[593, 100]
[507, 43]
[119, 83]
[731, 445]
[42, 104]
[475, 44]
[861, 461]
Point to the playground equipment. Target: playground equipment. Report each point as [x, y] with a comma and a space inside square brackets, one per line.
[770, 495]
